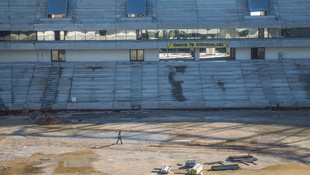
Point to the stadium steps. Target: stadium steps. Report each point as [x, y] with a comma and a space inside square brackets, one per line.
[297, 10]
[22, 11]
[50, 91]
[156, 85]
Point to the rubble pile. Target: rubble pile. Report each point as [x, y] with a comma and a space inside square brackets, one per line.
[41, 118]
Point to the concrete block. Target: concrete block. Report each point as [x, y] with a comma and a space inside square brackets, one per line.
[303, 103]
[227, 104]
[291, 103]
[93, 106]
[59, 106]
[121, 105]
[17, 106]
[150, 105]
[259, 104]
[181, 105]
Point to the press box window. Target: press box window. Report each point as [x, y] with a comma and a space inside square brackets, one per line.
[57, 8]
[258, 7]
[137, 55]
[58, 56]
[136, 8]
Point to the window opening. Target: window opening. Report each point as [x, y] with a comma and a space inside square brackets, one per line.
[136, 55]
[58, 55]
[258, 53]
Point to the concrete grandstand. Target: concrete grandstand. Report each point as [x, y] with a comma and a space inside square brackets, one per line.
[105, 54]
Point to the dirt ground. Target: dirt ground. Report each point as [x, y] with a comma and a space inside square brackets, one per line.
[84, 142]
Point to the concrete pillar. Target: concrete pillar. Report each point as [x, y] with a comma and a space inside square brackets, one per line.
[196, 53]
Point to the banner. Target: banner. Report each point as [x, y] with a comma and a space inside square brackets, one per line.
[197, 45]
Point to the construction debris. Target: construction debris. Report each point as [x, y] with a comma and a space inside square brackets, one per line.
[5, 167]
[190, 163]
[165, 170]
[225, 167]
[196, 169]
[243, 159]
[47, 119]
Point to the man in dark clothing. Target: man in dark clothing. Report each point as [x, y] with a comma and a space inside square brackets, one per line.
[119, 137]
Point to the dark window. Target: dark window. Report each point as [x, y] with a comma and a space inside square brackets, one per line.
[136, 55]
[5, 36]
[58, 56]
[57, 8]
[258, 53]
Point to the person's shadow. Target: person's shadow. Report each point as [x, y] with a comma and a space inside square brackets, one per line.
[104, 146]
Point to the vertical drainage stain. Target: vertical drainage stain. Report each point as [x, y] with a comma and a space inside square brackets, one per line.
[176, 87]
[305, 79]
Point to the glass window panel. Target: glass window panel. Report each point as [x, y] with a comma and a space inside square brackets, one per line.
[14, 36]
[274, 33]
[121, 34]
[62, 55]
[285, 33]
[49, 35]
[299, 33]
[266, 33]
[97, 35]
[152, 34]
[133, 55]
[211, 33]
[40, 36]
[102, 34]
[110, 35]
[140, 55]
[261, 53]
[80, 35]
[171, 34]
[90, 35]
[160, 34]
[222, 33]
[192, 34]
[131, 35]
[232, 33]
[144, 35]
[32, 36]
[201, 34]
[54, 55]
[183, 33]
[23, 36]
[70, 35]
[253, 33]
[243, 33]
[4, 35]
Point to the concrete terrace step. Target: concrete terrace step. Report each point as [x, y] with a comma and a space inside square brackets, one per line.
[156, 85]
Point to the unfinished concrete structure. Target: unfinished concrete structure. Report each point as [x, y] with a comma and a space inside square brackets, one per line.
[116, 34]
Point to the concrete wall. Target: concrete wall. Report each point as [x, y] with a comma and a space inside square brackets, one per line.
[243, 53]
[25, 56]
[288, 53]
[151, 55]
[97, 55]
[107, 55]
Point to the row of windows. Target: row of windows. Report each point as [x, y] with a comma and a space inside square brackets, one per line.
[155, 34]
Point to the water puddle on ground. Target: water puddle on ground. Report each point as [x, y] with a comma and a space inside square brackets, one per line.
[281, 169]
[79, 162]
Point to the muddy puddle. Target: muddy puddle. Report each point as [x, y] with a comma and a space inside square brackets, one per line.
[79, 162]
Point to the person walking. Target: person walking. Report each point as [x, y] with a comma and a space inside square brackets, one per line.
[119, 137]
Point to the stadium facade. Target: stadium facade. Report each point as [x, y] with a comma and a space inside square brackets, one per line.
[139, 30]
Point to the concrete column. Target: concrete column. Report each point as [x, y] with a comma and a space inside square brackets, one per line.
[196, 53]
